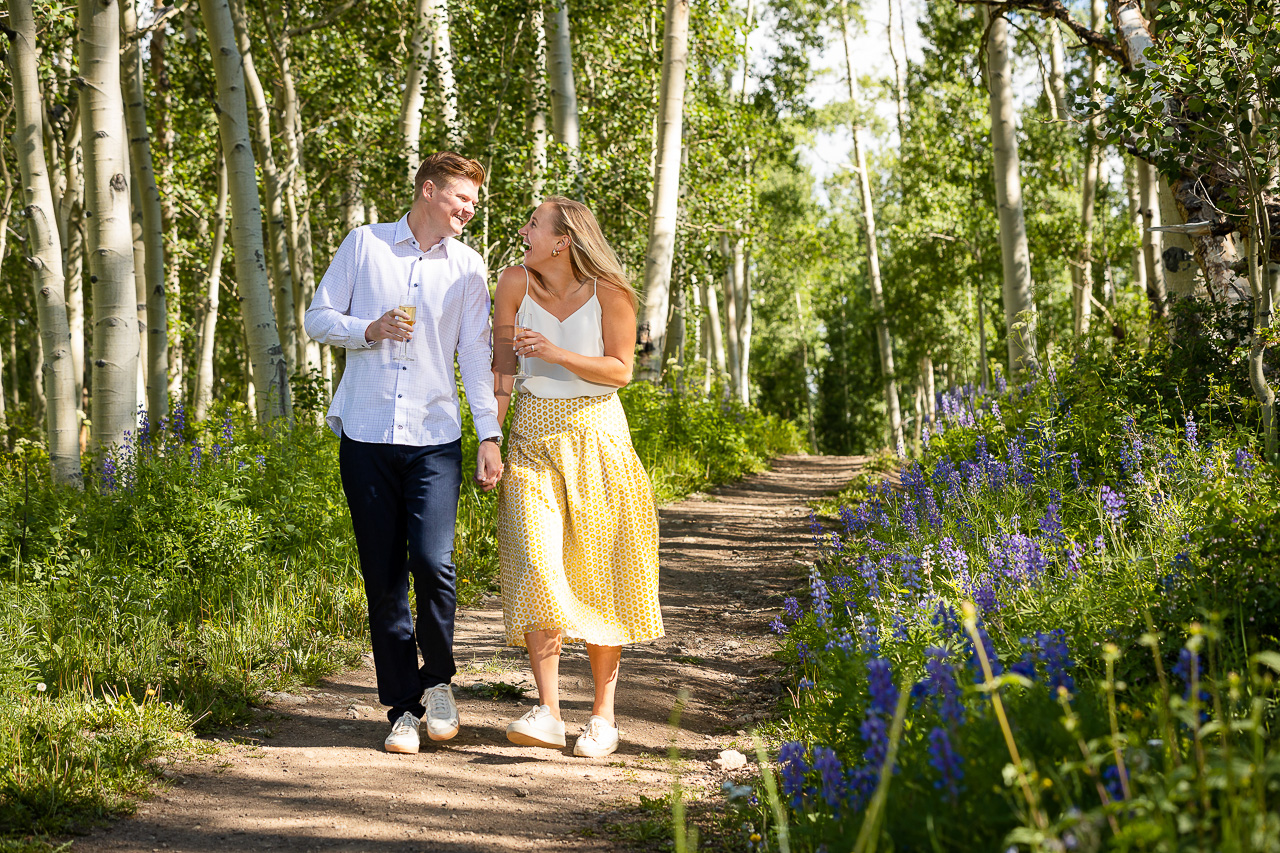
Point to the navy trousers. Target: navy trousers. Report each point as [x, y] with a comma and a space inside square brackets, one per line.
[404, 503]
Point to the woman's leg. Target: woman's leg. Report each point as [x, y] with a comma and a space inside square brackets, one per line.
[604, 672]
[544, 660]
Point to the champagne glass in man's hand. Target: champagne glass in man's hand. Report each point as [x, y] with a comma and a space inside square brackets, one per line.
[402, 352]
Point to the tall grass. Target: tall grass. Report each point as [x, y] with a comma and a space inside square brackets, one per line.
[207, 563]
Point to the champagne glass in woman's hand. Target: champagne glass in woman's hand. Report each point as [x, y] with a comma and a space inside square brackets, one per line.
[523, 322]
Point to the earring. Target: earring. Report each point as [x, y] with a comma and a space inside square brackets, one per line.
[555, 253]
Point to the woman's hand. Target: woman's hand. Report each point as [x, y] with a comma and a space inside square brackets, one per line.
[531, 343]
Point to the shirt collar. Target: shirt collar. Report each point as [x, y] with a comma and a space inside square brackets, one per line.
[405, 235]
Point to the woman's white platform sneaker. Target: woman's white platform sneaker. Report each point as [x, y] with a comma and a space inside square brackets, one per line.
[597, 740]
[537, 728]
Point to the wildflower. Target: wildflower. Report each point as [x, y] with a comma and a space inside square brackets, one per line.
[943, 758]
[806, 684]
[791, 608]
[995, 409]
[831, 774]
[792, 768]
[1113, 503]
[990, 649]
[1050, 522]
[109, 473]
[1057, 659]
[195, 456]
[842, 641]
[227, 437]
[875, 734]
[777, 626]
[815, 527]
[945, 618]
[261, 460]
[1099, 544]
[843, 584]
[1025, 666]
[881, 690]
[940, 683]
[41, 687]
[1075, 469]
[1244, 462]
[1192, 432]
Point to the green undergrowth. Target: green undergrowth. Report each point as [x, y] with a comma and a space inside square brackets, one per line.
[208, 563]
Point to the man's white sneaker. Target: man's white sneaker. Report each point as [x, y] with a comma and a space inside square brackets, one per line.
[442, 712]
[404, 735]
[537, 728]
[597, 740]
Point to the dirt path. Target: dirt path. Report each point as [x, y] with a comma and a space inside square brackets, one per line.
[318, 779]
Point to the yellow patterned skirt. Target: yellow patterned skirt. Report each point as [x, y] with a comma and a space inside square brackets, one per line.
[577, 528]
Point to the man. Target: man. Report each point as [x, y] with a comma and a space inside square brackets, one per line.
[397, 414]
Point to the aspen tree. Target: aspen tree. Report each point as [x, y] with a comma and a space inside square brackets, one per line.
[268, 369]
[213, 285]
[1019, 310]
[107, 226]
[884, 337]
[150, 216]
[564, 93]
[1082, 290]
[666, 180]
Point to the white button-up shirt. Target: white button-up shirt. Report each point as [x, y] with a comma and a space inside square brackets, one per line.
[384, 401]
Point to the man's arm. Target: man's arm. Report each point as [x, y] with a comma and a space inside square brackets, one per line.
[475, 357]
[327, 320]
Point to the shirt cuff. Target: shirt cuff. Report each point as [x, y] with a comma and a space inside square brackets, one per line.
[488, 428]
[356, 338]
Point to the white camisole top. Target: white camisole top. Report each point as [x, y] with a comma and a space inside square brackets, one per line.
[580, 332]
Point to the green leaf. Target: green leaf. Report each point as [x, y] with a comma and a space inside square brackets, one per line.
[1271, 660]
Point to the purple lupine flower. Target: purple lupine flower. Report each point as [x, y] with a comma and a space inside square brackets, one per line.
[228, 437]
[261, 460]
[1113, 503]
[945, 618]
[984, 596]
[793, 767]
[802, 652]
[1051, 522]
[940, 683]
[1057, 659]
[1244, 462]
[791, 609]
[926, 434]
[1001, 384]
[1025, 665]
[821, 597]
[1075, 469]
[976, 664]
[109, 473]
[837, 544]
[875, 734]
[1111, 780]
[777, 626]
[843, 584]
[195, 456]
[995, 409]
[943, 758]
[1193, 432]
[178, 424]
[830, 774]
[805, 684]
[881, 691]
[843, 642]
[869, 634]
[815, 527]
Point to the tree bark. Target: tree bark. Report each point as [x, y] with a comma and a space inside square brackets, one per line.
[537, 124]
[731, 250]
[930, 387]
[71, 229]
[899, 65]
[6, 208]
[713, 333]
[1137, 265]
[884, 337]
[278, 252]
[564, 95]
[163, 144]
[1019, 310]
[1057, 74]
[213, 284]
[139, 281]
[268, 368]
[746, 319]
[151, 218]
[442, 50]
[107, 226]
[412, 98]
[1149, 193]
[1082, 291]
[666, 181]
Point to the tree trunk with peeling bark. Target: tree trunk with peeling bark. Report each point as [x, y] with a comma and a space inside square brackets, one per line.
[150, 218]
[1137, 265]
[1019, 310]
[1057, 73]
[666, 182]
[1149, 193]
[564, 93]
[1082, 276]
[107, 226]
[163, 145]
[267, 366]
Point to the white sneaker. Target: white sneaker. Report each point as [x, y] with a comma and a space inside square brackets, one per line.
[442, 712]
[537, 728]
[597, 740]
[404, 735]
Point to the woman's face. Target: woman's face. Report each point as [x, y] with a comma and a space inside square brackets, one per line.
[540, 238]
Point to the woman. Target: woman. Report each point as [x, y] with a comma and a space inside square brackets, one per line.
[577, 529]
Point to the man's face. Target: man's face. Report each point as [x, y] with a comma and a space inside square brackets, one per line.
[451, 203]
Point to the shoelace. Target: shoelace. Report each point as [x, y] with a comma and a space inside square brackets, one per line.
[593, 730]
[530, 716]
[402, 725]
[439, 702]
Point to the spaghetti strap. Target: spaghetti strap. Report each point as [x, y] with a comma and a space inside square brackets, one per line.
[595, 285]
[526, 280]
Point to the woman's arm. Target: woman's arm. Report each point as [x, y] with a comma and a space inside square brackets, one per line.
[506, 301]
[618, 320]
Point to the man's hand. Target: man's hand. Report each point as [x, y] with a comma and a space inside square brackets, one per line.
[488, 465]
[393, 325]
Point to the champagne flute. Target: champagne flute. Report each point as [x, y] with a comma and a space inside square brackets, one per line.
[402, 352]
[523, 322]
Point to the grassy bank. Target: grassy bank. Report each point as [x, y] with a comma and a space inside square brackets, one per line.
[208, 563]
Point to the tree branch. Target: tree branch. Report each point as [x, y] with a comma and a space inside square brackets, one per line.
[1055, 9]
[328, 19]
[167, 14]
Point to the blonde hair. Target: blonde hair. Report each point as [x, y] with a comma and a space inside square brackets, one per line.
[590, 254]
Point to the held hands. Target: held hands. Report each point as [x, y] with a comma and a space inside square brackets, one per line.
[394, 325]
[488, 466]
[531, 343]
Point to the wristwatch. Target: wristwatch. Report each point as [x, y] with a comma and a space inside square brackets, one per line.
[496, 439]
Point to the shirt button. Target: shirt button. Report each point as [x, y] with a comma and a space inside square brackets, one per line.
[400, 427]
[404, 368]
[398, 396]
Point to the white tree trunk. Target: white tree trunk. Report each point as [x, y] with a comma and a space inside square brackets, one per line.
[930, 387]
[538, 111]
[278, 252]
[412, 98]
[731, 250]
[745, 318]
[139, 284]
[884, 337]
[353, 215]
[899, 65]
[1019, 310]
[163, 147]
[107, 226]
[442, 50]
[143, 183]
[71, 227]
[268, 368]
[6, 208]
[213, 285]
[1082, 295]
[712, 332]
[1149, 191]
[1057, 73]
[564, 94]
[1137, 265]
[666, 181]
